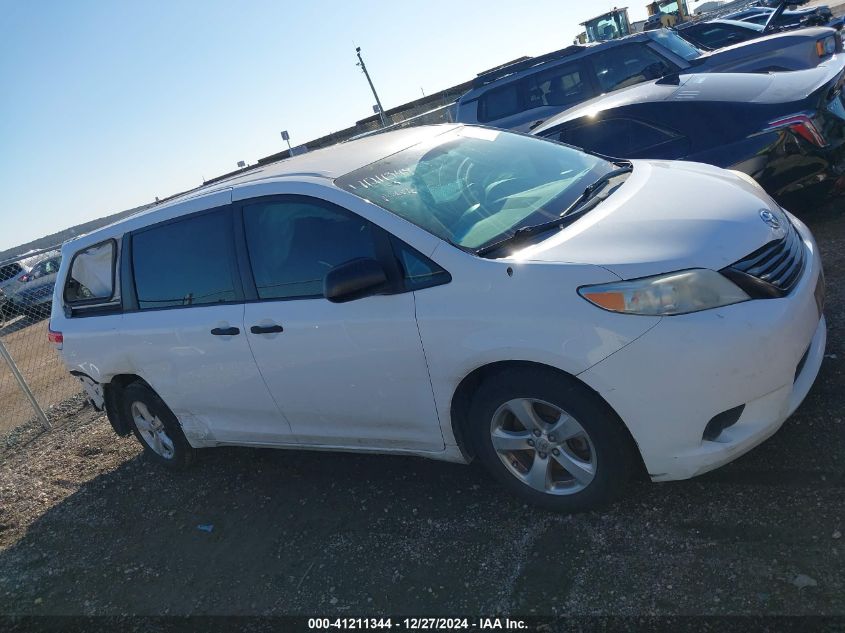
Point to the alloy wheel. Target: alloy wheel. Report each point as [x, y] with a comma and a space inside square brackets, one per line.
[543, 446]
[152, 430]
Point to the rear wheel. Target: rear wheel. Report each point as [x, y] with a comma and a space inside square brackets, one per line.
[550, 440]
[155, 426]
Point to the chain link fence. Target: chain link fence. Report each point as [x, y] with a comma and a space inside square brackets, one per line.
[36, 390]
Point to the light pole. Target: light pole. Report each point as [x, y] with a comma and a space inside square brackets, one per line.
[372, 87]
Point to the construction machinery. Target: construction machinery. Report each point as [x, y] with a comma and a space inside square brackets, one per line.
[667, 13]
[607, 26]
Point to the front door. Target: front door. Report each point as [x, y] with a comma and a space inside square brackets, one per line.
[344, 374]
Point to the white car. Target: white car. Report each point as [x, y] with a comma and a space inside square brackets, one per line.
[455, 292]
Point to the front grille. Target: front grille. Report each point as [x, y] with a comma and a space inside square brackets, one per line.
[778, 265]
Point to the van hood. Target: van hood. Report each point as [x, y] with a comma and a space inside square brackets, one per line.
[667, 216]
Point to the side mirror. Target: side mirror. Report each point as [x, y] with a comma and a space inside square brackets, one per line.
[355, 279]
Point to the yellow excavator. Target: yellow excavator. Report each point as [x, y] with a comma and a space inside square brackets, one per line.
[615, 24]
[666, 14]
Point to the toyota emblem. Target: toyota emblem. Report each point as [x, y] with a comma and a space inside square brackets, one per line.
[769, 218]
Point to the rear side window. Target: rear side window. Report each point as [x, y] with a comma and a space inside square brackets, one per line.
[719, 35]
[500, 102]
[623, 66]
[620, 138]
[293, 244]
[91, 277]
[185, 263]
[10, 271]
[47, 267]
[563, 85]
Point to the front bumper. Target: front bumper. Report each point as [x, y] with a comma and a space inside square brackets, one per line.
[669, 383]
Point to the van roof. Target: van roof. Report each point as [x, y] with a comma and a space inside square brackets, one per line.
[336, 160]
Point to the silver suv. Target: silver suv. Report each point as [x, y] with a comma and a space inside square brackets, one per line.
[10, 275]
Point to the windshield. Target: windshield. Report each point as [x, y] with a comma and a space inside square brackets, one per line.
[675, 43]
[472, 186]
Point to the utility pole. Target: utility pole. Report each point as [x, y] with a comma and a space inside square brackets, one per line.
[372, 87]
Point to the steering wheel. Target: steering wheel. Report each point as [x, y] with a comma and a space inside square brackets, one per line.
[468, 189]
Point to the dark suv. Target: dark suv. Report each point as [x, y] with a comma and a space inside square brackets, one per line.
[520, 96]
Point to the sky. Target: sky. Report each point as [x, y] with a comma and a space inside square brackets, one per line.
[106, 105]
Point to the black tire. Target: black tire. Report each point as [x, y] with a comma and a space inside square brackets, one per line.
[182, 454]
[611, 445]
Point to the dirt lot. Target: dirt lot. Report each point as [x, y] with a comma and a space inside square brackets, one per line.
[88, 526]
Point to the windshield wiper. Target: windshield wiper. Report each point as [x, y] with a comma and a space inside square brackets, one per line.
[598, 185]
[576, 208]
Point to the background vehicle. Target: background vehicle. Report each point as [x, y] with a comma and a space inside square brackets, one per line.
[522, 95]
[9, 275]
[616, 23]
[607, 26]
[810, 16]
[454, 292]
[787, 130]
[3, 303]
[715, 34]
[666, 13]
[34, 294]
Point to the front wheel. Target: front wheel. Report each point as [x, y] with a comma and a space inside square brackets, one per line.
[155, 426]
[550, 440]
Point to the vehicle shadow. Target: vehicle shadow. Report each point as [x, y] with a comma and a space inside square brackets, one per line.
[257, 532]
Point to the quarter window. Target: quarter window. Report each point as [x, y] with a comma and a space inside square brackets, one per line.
[91, 277]
[185, 263]
[293, 244]
[419, 271]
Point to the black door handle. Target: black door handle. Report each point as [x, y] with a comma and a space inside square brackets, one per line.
[225, 331]
[266, 329]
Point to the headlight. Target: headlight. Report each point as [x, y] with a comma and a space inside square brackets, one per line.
[826, 46]
[673, 293]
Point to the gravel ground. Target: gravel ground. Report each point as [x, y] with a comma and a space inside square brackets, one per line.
[89, 526]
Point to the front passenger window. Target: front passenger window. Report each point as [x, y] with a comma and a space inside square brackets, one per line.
[293, 244]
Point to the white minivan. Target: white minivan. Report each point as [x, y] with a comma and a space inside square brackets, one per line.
[454, 292]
